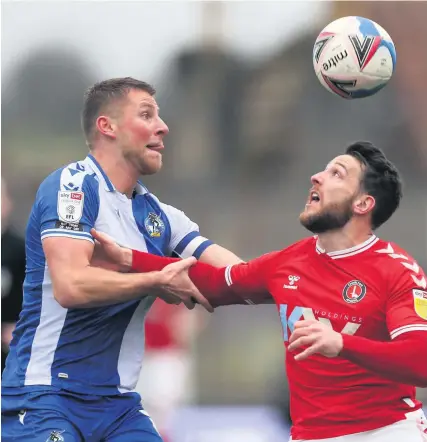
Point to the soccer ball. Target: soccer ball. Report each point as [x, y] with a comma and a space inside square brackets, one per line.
[354, 57]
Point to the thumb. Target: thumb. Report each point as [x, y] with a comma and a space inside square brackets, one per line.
[184, 264]
[101, 237]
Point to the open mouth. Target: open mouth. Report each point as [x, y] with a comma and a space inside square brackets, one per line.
[313, 198]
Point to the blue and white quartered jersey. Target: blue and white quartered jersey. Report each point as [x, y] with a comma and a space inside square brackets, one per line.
[89, 350]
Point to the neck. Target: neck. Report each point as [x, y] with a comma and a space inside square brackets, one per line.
[119, 171]
[342, 239]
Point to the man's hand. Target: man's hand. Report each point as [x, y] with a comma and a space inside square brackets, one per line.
[317, 338]
[109, 255]
[175, 284]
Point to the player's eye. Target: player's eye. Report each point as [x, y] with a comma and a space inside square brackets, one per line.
[145, 115]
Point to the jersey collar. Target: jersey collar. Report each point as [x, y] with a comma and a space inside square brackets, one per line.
[140, 189]
[102, 176]
[360, 248]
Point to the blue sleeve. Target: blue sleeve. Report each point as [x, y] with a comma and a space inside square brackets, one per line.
[68, 204]
[186, 239]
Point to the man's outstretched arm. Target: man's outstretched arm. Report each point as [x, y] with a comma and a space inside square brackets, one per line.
[243, 283]
[77, 284]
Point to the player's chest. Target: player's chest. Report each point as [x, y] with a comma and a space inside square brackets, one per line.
[134, 223]
[348, 298]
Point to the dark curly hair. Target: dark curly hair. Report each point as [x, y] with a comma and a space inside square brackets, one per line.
[380, 179]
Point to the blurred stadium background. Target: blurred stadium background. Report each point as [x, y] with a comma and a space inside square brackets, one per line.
[249, 125]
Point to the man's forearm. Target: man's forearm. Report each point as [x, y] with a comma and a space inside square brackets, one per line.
[95, 287]
[208, 279]
[403, 360]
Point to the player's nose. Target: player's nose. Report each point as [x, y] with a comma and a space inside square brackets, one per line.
[162, 128]
[317, 178]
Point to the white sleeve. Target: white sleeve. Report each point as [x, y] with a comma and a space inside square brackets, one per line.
[185, 238]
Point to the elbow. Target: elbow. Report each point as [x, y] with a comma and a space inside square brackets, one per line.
[67, 295]
[66, 301]
[421, 380]
[421, 377]
[418, 374]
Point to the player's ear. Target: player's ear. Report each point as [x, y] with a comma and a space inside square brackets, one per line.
[105, 125]
[364, 204]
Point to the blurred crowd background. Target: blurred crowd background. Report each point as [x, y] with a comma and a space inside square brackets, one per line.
[249, 125]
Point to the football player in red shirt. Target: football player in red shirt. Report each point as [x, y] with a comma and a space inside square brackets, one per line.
[353, 307]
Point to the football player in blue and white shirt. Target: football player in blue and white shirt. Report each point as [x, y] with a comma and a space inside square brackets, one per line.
[77, 349]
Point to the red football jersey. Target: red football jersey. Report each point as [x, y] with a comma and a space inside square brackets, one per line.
[374, 290]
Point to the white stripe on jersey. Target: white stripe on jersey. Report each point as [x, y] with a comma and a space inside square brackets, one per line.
[125, 231]
[228, 279]
[192, 246]
[46, 337]
[64, 233]
[229, 282]
[56, 235]
[407, 328]
[355, 252]
[132, 348]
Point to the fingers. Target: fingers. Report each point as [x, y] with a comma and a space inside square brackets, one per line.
[305, 323]
[189, 304]
[174, 300]
[297, 333]
[196, 296]
[307, 352]
[311, 342]
[301, 342]
[308, 328]
[200, 299]
[94, 233]
[170, 298]
[100, 237]
[183, 264]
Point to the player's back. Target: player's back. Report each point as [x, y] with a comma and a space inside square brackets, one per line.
[88, 350]
[367, 291]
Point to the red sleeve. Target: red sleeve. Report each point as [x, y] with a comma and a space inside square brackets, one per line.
[402, 360]
[406, 308]
[244, 283]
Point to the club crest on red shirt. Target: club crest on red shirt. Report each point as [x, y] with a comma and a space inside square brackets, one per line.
[354, 291]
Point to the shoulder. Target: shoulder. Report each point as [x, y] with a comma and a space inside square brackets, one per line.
[298, 249]
[175, 216]
[74, 177]
[399, 266]
[305, 245]
[156, 200]
[392, 253]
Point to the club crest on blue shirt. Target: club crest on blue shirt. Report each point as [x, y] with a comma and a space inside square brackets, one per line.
[154, 225]
[354, 291]
[55, 436]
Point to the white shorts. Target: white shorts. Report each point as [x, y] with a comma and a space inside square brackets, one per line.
[413, 429]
